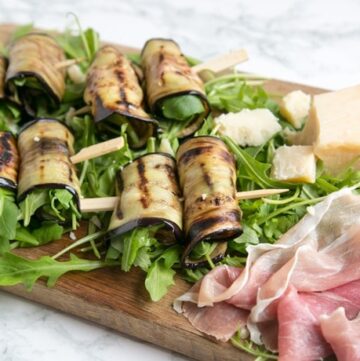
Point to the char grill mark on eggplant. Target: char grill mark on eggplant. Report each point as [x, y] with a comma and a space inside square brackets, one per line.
[114, 94]
[167, 74]
[148, 194]
[45, 147]
[207, 175]
[9, 161]
[36, 56]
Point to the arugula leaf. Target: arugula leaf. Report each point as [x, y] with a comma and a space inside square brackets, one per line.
[24, 237]
[182, 107]
[202, 249]
[161, 275]
[15, 269]
[257, 171]
[32, 203]
[54, 204]
[140, 248]
[10, 116]
[135, 58]
[249, 236]
[232, 93]
[48, 232]
[8, 218]
[194, 275]
[257, 351]
[134, 247]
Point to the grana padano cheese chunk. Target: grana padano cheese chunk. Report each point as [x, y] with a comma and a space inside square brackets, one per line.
[248, 127]
[295, 164]
[295, 107]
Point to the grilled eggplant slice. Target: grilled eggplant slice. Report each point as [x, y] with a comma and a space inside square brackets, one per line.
[33, 74]
[148, 195]
[45, 147]
[115, 96]
[207, 175]
[174, 92]
[9, 160]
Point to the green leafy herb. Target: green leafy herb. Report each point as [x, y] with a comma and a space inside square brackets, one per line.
[232, 93]
[15, 269]
[161, 275]
[10, 116]
[8, 219]
[54, 204]
[24, 237]
[257, 351]
[48, 232]
[140, 248]
[182, 107]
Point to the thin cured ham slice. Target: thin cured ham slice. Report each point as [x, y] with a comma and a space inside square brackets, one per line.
[311, 270]
[206, 319]
[299, 314]
[342, 334]
[318, 254]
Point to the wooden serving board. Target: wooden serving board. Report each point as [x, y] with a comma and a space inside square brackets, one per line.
[119, 300]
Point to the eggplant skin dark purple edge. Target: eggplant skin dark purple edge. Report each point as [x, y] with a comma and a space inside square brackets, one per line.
[214, 237]
[157, 39]
[47, 89]
[7, 184]
[145, 222]
[105, 114]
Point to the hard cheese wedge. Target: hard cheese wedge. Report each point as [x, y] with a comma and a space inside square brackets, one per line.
[333, 129]
[294, 107]
[295, 164]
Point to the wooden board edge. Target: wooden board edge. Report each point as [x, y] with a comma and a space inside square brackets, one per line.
[186, 343]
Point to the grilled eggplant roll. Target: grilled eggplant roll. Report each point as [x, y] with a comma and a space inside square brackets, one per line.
[148, 195]
[9, 160]
[115, 96]
[174, 92]
[33, 75]
[46, 172]
[207, 175]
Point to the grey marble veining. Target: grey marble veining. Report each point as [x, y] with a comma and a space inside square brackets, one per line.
[315, 42]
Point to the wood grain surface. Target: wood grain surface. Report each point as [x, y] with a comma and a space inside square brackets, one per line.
[118, 300]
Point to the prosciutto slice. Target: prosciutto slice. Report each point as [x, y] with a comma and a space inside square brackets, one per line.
[342, 334]
[300, 337]
[319, 254]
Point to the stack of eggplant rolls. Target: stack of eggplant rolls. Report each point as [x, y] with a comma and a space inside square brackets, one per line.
[190, 195]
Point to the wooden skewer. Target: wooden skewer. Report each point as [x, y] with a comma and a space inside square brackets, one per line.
[98, 204]
[97, 150]
[68, 62]
[223, 62]
[260, 193]
[109, 203]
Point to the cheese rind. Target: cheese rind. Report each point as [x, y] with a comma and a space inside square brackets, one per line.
[295, 107]
[295, 164]
[249, 127]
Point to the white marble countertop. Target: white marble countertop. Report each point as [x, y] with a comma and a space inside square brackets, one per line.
[314, 42]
